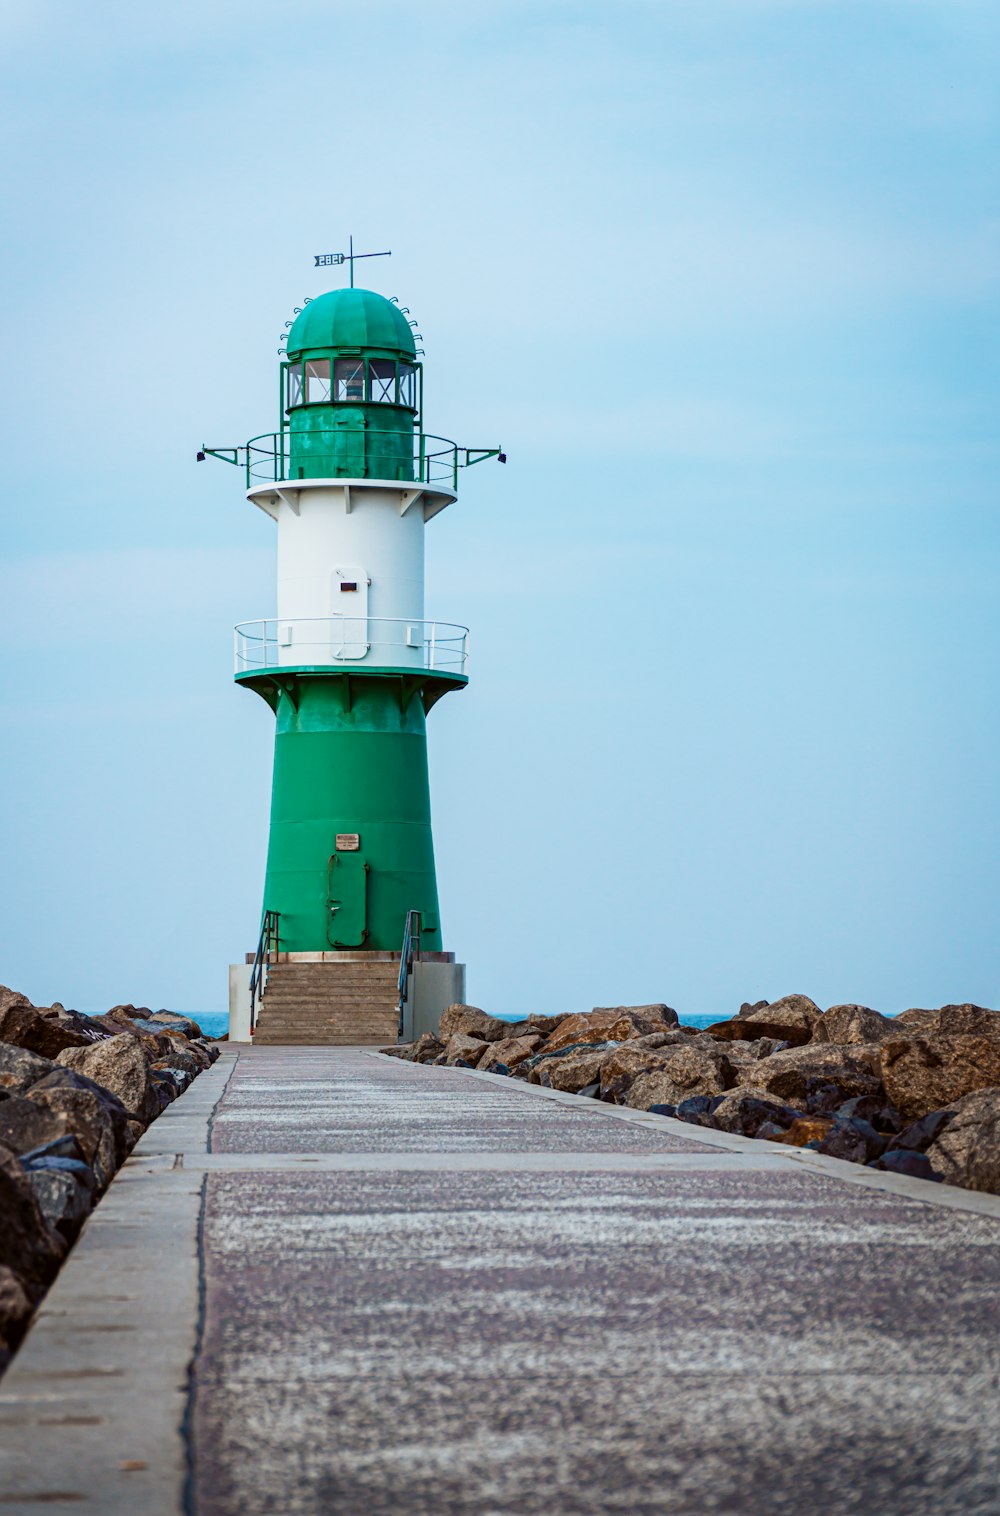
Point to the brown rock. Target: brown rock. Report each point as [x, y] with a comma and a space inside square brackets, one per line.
[849, 1024]
[804, 1129]
[575, 1072]
[510, 1051]
[545, 1024]
[423, 1050]
[657, 1014]
[15, 1309]
[582, 1027]
[922, 1074]
[632, 1025]
[26, 1027]
[635, 1057]
[968, 1021]
[967, 1151]
[689, 1071]
[25, 1125]
[854, 1070]
[120, 1065]
[470, 1021]
[792, 1019]
[470, 1049]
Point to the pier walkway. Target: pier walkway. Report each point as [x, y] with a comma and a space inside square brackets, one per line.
[332, 1282]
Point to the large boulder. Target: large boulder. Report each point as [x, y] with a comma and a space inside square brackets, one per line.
[468, 1049]
[583, 1026]
[923, 1074]
[851, 1024]
[791, 1075]
[690, 1071]
[576, 1072]
[96, 1117]
[968, 1021]
[26, 1027]
[19, 1069]
[470, 1021]
[510, 1051]
[625, 1062]
[793, 1019]
[120, 1065]
[967, 1150]
[25, 1125]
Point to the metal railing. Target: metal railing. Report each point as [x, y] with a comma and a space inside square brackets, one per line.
[410, 952]
[404, 457]
[333, 641]
[266, 944]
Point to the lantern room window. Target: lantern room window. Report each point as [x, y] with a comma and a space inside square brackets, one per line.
[317, 380]
[349, 379]
[382, 381]
[408, 385]
[293, 385]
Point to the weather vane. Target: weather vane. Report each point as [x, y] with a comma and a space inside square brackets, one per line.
[324, 260]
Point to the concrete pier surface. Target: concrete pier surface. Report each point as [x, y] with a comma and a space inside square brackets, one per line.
[333, 1282]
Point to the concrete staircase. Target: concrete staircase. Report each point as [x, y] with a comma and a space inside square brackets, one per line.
[348, 1003]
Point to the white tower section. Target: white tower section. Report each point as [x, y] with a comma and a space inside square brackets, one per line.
[351, 577]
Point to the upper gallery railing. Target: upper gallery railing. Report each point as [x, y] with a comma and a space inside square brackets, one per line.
[405, 457]
[333, 641]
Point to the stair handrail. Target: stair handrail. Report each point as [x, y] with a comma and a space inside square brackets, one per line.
[411, 951]
[267, 942]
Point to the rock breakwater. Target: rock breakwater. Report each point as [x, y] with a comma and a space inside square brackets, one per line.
[76, 1094]
[915, 1094]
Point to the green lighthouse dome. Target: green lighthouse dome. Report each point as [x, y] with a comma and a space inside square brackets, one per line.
[353, 319]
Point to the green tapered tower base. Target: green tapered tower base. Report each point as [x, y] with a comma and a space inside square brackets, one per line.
[350, 849]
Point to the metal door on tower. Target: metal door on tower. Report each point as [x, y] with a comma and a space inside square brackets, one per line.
[347, 900]
[349, 636]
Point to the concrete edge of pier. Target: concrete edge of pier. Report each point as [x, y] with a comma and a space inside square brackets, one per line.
[93, 1407]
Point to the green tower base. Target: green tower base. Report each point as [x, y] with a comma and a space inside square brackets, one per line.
[350, 849]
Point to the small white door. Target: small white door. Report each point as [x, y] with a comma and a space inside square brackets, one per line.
[349, 609]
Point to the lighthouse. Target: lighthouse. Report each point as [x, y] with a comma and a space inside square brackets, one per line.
[351, 667]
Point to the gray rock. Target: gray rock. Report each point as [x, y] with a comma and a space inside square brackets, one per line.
[743, 1111]
[966, 1151]
[64, 1201]
[656, 1012]
[118, 1064]
[19, 1069]
[28, 1245]
[853, 1139]
[93, 1114]
[905, 1161]
[919, 1135]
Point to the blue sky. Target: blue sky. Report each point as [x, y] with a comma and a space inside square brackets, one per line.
[723, 280]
